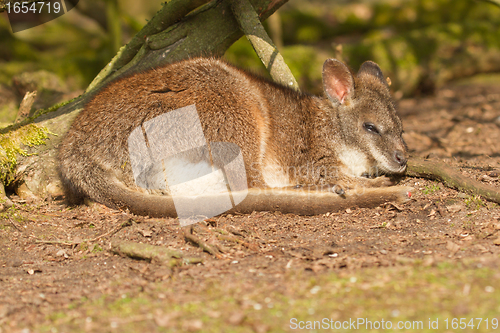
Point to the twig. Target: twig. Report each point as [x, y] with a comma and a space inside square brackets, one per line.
[41, 241]
[188, 236]
[229, 238]
[72, 243]
[25, 106]
[451, 178]
[18, 228]
[128, 223]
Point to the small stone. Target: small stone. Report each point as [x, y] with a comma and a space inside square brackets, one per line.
[213, 314]
[452, 247]
[145, 232]
[454, 208]
[494, 174]
[164, 320]
[260, 328]
[32, 271]
[236, 318]
[428, 261]
[4, 310]
[62, 253]
[16, 263]
[192, 325]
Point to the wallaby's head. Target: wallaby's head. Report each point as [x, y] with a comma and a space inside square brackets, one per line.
[371, 132]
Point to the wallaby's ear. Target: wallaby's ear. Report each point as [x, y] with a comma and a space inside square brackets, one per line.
[371, 68]
[338, 81]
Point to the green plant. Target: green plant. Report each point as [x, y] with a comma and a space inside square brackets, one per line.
[467, 225]
[474, 202]
[97, 248]
[431, 189]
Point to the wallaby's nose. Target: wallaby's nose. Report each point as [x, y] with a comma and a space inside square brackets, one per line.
[400, 157]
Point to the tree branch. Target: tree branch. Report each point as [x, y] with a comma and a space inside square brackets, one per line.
[181, 29]
[268, 53]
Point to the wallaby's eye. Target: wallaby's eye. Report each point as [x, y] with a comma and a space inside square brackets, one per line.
[371, 128]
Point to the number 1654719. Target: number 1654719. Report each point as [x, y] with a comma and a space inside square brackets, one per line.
[37, 7]
[473, 323]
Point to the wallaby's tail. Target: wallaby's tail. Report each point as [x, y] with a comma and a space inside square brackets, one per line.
[140, 203]
[287, 200]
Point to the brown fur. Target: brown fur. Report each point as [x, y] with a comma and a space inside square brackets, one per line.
[302, 135]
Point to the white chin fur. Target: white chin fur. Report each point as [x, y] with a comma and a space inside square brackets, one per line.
[355, 161]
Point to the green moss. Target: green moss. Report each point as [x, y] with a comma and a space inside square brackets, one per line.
[11, 68]
[7, 113]
[12, 213]
[309, 34]
[12, 143]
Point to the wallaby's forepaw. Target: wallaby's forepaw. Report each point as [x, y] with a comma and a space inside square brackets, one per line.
[352, 183]
[338, 189]
[382, 181]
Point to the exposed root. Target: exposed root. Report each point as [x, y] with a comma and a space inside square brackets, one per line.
[5, 202]
[155, 253]
[451, 178]
[25, 193]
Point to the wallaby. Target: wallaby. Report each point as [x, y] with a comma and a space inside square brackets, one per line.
[291, 142]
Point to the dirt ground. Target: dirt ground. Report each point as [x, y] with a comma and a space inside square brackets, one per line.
[58, 273]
